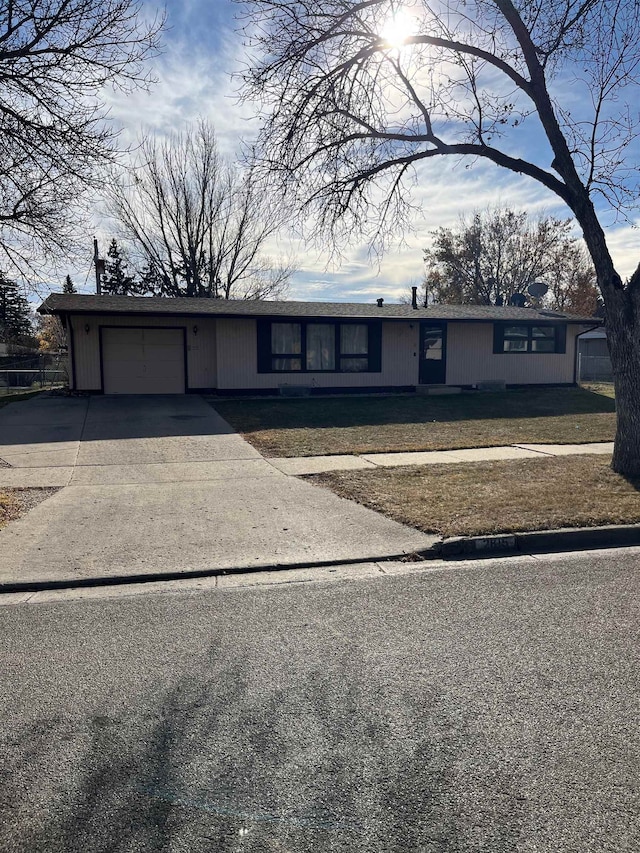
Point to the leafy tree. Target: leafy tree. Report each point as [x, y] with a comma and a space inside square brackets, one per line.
[572, 282]
[50, 334]
[351, 109]
[116, 281]
[198, 223]
[57, 58]
[499, 252]
[15, 314]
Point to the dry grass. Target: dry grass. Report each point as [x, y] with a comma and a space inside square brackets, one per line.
[7, 397]
[15, 502]
[10, 507]
[605, 388]
[318, 426]
[478, 498]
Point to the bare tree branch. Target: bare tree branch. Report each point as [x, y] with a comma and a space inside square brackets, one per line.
[350, 116]
[203, 225]
[56, 57]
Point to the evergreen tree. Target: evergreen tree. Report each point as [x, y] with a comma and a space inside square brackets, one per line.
[68, 286]
[152, 281]
[116, 281]
[15, 314]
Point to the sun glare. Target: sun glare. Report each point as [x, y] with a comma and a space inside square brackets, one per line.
[397, 29]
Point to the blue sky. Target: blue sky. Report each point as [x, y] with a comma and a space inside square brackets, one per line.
[202, 49]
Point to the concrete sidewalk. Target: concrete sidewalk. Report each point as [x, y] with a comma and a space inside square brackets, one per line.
[163, 484]
[300, 465]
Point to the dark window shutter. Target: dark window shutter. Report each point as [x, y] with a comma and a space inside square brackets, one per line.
[561, 338]
[375, 347]
[264, 346]
[498, 337]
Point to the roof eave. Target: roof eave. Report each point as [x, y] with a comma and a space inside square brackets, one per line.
[47, 309]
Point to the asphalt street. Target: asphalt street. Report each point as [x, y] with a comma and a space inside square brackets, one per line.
[483, 706]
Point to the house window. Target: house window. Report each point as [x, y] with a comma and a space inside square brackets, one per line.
[307, 346]
[321, 346]
[286, 346]
[354, 347]
[528, 338]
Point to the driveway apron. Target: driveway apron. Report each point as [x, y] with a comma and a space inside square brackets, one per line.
[163, 484]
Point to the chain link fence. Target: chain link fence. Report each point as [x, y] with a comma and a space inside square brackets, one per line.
[594, 368]
[32, 372]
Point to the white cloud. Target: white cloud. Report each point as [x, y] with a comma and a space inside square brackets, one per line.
[202, 49]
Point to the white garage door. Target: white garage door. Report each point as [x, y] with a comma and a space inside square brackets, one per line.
[143, 361]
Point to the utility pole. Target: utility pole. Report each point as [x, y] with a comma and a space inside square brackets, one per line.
[99, 265]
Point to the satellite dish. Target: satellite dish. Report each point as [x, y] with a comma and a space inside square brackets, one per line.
[537, 289]
[518, 300]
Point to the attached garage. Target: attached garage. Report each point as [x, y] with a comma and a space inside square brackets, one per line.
[143, 360]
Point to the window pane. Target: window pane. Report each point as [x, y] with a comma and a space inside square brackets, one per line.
[516, 332]
[543, 345]
[354, 365]
[354, 338]
[286, 337]
[543, 332]
[286, 364]
[321, 346]
[515, 346]
[432, 343]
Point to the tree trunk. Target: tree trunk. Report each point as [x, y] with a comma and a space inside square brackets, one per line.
[626, 449]
[623, 330]
[622, 310]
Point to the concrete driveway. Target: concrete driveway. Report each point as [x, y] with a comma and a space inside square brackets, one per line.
[163, 484]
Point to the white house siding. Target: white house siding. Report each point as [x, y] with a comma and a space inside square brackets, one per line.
[470, 359]
[201, 346]
[238, 360]
[223, 354]
[201, 353]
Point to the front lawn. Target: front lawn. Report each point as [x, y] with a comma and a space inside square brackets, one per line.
[605, 388]
[336, 425]
[470, 499]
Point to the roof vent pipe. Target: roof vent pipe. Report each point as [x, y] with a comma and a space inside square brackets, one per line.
[414, 297]
[380, 301]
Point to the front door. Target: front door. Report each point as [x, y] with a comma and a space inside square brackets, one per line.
[433, 353]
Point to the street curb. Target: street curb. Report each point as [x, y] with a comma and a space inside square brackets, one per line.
[194, 574]
[459, 547]
[541, 541]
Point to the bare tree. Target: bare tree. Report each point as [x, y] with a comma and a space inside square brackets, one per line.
[56, 57]
[197, 222]
[353, 104]
[497, 252]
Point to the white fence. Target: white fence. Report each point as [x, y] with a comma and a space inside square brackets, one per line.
[594, 368]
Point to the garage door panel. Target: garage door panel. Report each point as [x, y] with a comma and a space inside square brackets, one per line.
[158, 337]
[143, 361]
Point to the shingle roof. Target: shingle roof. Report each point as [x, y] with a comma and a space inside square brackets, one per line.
[73, 303]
